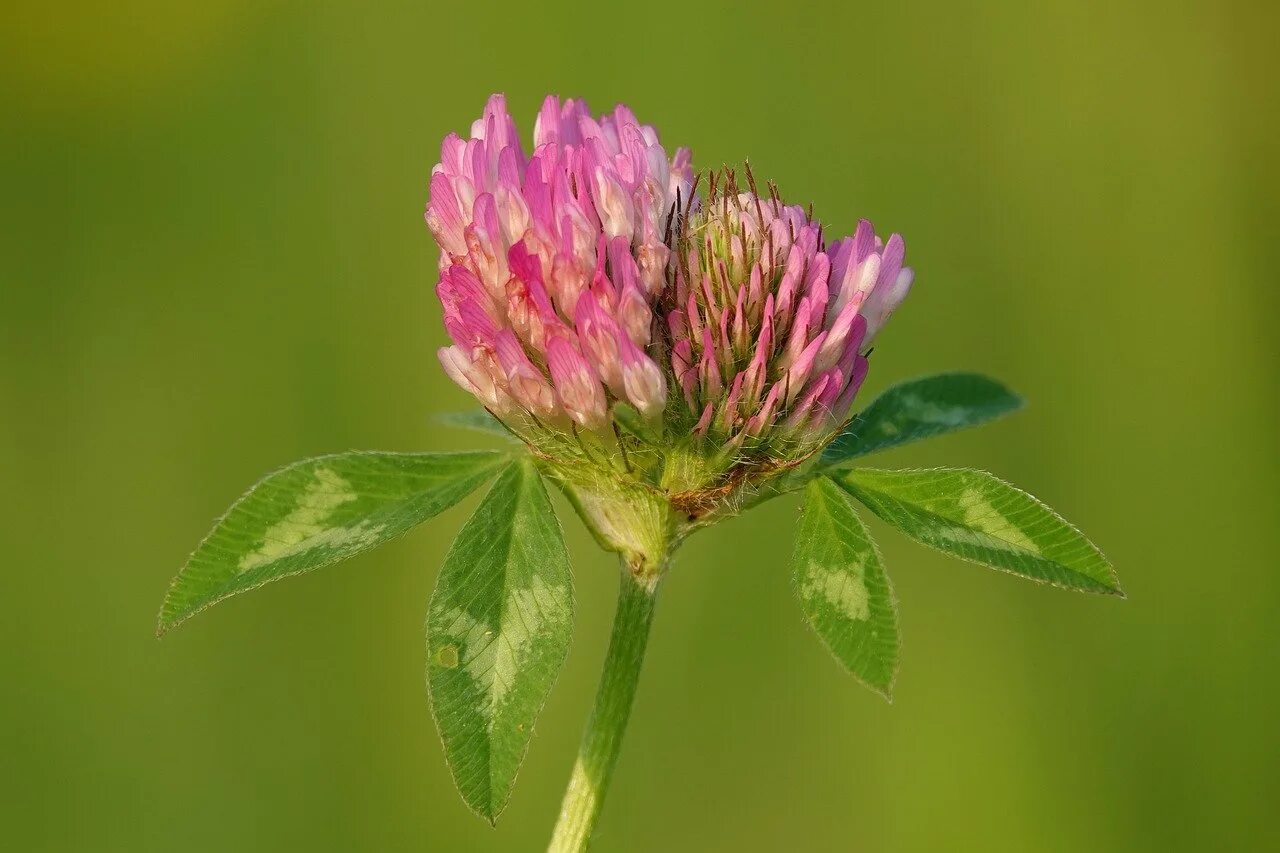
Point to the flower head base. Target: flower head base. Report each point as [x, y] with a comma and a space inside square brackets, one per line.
[639, 337]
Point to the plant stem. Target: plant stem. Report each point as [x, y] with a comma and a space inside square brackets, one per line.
[602, 741]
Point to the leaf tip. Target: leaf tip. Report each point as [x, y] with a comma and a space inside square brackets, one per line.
[1116, 589]
[1110, 586]
[166, 622]
[487, 811]
[172, 615]
[166, 626]
[886, 681]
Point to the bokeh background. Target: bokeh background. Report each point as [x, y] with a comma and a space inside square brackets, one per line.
[212, 262]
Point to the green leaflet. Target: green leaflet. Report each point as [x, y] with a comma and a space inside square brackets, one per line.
[477, 420]
[920, 409]
[842, 587]
[498, 631]
[317, 512]
[980, 518]
[633, 422]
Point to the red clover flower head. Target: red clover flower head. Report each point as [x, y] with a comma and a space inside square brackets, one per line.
[596, 299]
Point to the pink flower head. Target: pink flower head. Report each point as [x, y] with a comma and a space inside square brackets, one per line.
[769, 325]
[588, 274]
[550, 264]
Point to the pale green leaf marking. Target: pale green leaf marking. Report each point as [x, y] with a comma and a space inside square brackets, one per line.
[317, 512]
[843, 589]
[498, 631]
[305, 527]
[919, 409]
[978, 517]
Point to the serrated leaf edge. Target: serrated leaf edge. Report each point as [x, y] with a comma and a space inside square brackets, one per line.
[494, 813]
[843, 464]
[887, 692]
[163, 628]
[1117, 592]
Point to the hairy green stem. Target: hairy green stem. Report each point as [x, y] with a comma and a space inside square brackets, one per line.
[602, 741]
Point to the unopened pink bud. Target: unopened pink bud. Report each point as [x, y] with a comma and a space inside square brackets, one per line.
[600, 336]
[774, 316]
[642, 380]
[471, 377]
[527, 385]
[577, 384]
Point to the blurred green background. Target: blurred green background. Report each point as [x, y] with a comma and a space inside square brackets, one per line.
[213, 262]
